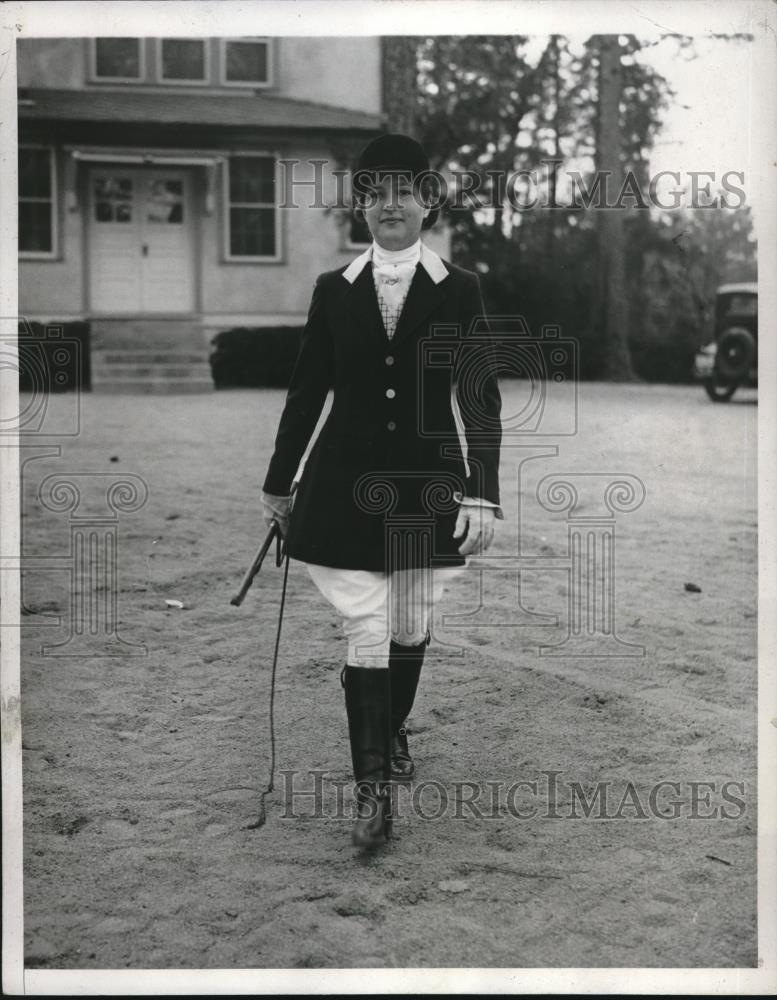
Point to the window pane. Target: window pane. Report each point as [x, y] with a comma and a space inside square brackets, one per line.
[112, 199]
[252, 179]
[247, 62]
[35, 227]
[252, 232]
[34, 173]
[113, 187]
[118, 57]
[742, 305]
[103, 211]
[183, 59]
[164, 202]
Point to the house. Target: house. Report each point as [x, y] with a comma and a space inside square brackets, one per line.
[158, 179]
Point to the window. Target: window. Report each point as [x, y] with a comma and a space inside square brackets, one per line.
[183, 60]
[112, 197]
[252, 227]
[164, 202]
[37, 202]
[741, 305]
[117, 59]
[246, 62]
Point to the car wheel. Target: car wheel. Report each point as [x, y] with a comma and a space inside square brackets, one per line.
[720, 392]
[735, 355]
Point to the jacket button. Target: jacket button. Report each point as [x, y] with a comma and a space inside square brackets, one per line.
[391, 425]
[390, 359]
[390, 394]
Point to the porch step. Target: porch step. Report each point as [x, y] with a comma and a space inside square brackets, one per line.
[147, 335]
[143, 372]
[148, 357]
[153, 387]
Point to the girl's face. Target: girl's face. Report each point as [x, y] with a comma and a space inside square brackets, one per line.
[394, 213]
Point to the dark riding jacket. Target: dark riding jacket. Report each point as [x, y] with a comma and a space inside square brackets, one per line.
[381, 486]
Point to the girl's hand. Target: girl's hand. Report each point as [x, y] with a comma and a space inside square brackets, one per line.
[278, 508]
[477, 523]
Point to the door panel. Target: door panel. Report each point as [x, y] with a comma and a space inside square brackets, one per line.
[115, 270]
[167, 277]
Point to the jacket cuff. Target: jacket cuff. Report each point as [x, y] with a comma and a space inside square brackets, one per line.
[483, 479]
[466, 501]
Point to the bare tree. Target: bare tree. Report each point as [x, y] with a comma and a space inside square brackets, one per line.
[610, 318]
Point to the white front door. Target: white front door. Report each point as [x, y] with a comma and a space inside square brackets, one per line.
[140, 239]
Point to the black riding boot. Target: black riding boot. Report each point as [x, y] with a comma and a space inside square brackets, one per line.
[405, 664]
[368, 706]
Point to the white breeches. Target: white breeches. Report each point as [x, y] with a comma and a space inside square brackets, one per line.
[379, 607]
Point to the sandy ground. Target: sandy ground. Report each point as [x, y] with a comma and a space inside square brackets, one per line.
[141, 772]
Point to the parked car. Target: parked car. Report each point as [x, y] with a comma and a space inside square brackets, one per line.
[731, 358]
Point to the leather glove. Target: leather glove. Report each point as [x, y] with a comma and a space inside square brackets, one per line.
[278, 508]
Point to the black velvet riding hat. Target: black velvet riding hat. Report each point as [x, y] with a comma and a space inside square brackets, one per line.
[394, 152]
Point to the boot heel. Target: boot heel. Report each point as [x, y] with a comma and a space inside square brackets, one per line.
[405, 663]
[372, 826]
[402, 765]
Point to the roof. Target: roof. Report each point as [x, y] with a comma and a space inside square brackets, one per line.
[746, 287]
[252, 110]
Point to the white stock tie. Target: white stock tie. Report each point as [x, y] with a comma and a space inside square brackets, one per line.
[393, 282]
[392, 272]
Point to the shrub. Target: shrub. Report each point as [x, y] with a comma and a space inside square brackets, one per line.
[254, 356]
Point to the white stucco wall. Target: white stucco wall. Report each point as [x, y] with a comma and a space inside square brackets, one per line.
[311, 243]
[54, 288]
[51, 62]
[342, 72]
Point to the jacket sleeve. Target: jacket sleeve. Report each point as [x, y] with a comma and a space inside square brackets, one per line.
[310, 382]
[478, 396]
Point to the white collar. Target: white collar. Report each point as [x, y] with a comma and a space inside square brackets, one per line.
[410, 255]
[431, 262]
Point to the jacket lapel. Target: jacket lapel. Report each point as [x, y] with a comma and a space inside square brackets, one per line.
[363, 304]
[422, 298]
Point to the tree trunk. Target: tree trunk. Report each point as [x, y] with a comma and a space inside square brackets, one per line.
[610, 306]
[400, 88]
[550, 233]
